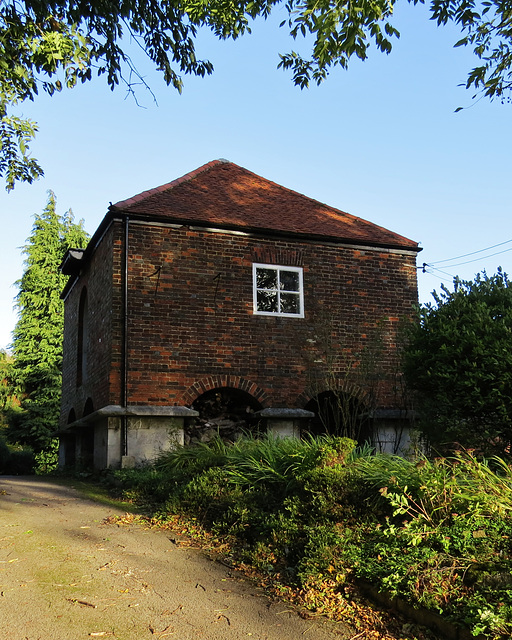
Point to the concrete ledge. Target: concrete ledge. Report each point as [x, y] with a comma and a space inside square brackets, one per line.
[116, 411]
[284, 414]
[394, 414]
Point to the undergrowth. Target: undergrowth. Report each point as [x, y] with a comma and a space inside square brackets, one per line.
[319, 515]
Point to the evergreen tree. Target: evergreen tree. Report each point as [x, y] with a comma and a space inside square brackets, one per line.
[459, 363]
[6, 392]
[37, 337]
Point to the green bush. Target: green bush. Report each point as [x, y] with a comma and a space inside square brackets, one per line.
[16, 460]
[318, 514]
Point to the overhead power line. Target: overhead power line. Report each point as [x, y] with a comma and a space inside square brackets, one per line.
[443, 272]
[458, 264]
[473, 253]
[432, 265]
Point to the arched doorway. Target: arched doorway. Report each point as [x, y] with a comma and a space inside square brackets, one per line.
[226, 412]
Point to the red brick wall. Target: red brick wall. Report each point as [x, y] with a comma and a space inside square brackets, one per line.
[191, 319]
[191, 325]
[102, 383]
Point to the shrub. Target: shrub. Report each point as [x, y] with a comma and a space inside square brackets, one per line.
[318, 514]
[16, 460]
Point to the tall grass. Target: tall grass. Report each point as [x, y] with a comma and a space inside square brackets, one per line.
[251, 462]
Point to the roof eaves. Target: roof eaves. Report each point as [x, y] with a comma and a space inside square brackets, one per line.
[268, 232]
[90, 248]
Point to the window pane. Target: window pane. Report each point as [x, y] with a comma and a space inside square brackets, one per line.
[267, 301]
[290, 303]
[266, 278]
[288, 280]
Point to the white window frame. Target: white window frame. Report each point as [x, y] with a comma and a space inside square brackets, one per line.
[278, 268]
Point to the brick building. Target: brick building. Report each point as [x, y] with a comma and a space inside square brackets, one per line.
[224, 298]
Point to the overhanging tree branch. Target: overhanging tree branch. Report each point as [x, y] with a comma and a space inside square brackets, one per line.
[51, 45]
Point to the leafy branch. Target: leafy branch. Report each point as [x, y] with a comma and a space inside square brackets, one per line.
[54, 45]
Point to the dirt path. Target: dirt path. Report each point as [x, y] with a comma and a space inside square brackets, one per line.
[66, 575]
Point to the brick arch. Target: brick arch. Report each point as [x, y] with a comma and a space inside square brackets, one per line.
[88, 407]
[343, 386]
[224, 381]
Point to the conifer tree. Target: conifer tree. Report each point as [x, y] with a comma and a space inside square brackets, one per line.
[37, 337]
[6, 395]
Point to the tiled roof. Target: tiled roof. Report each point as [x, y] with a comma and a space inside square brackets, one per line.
[222, 194]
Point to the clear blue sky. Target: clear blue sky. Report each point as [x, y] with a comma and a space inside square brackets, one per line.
[380, 141]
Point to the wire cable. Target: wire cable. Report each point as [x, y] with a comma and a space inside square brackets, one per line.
[466, 255]
[443, 272]
[431, 265]
[478, 259]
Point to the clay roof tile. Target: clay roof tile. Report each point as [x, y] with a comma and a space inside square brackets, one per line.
[225, 195]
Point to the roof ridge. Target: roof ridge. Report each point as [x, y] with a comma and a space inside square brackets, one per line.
[169, 185]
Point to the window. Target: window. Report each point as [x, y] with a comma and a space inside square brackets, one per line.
[277, 290]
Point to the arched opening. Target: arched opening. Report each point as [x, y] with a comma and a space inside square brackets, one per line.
[226, 412]
[86, 440]
[83, 336]
[339, 413]
[68, 443]
[88, 407]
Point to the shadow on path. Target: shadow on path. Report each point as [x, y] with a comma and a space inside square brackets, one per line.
[66, 574]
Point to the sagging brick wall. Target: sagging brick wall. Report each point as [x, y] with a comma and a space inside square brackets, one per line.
[190, 313]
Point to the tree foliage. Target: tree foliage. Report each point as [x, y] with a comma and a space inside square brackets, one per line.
[459, 362]
[37, 337]
[7, 399]
[45, 46]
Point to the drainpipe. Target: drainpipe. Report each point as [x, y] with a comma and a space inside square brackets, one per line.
[124, 363]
